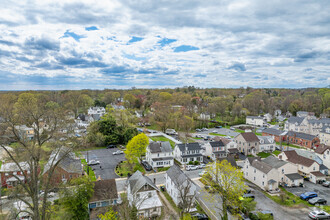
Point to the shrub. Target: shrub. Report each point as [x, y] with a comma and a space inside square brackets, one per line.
[191, 163]
[196, 162]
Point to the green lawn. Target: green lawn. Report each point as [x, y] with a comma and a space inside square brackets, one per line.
[123, 169]
[239, 131]
[196, 138]
[276, 152]
[290, 145]
[162, 138]
[263, 154]
[168, 197]
[259, 134]
[88, 170]
[215, 134]
[161, 169]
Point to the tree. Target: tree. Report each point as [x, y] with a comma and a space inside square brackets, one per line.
[186, 123]
[165, 96]
[129, 100]
[78, 102]
[136, 148]
[162, 115]
[45, 121]
[74, 200]
[229, 183]
[295, 106]
[109, 215]
[248, 205]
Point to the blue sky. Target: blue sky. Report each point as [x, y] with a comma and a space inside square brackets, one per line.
[158, 44]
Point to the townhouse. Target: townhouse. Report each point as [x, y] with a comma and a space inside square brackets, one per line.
[215, 149]
[12, 174]
[179, 186]
[325, 136]
[323, 152]
[266, 143]
[247, 143]
[143, 194]
[160, 154]
[278, 135]
[309, 125]
[303, 139]
[255, 121]
[184, 153]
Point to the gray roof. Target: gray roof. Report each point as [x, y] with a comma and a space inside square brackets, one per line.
[294, 176]
[325, 121]
[323, 167]
[192, 155]
[272, 131]
[190, 146]
[230, 160]
[274, 162]
[260, 165]
[266, 139]
[217, 144]
[271, 181]
[137, 180]
[255, 117]
[177, 175]
[161, 146]
[293, 120]
[301, 135]
[162, 158]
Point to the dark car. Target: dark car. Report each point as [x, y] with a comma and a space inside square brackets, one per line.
[200, 216]
[308, 195]
[146, 166]
[317, 200]
[248, 195]
[218, 126]
[111, 146]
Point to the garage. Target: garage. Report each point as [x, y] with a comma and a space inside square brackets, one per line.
[293, 179]
[317, 177]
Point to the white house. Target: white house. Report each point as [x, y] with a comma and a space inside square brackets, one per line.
[179, 186]
[268, 117]
[325, 136]
[266, 143]
[96, 112]
[185, 153]
[323, 152]
[255, 120]
[215, 149]
[277, 112]
[160, 154]
[143, 194]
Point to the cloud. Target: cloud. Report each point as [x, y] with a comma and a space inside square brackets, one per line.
[237, 66]
[42, 43]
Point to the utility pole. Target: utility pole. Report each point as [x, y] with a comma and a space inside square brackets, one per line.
[87, 165]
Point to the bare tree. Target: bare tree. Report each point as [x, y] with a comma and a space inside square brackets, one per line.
[36, 126]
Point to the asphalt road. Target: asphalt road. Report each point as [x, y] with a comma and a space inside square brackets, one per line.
[108, 162]
[321, 191]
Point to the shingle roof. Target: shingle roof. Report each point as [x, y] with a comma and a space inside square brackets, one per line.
[274, 162]
[317, 173]
[301, 135]
[137, 180]
[260, 165]
[224, 140]
[255, 117]
[232, 150]
[295, 158]
[293, 120]
[321, 149]
[177, 175]
[230, 160]
[272, 131]
[190, 146]
[250, 137]
[319, 121]
[104, 190]
[266, 139]
[217, 144]
[294, 176]
[162, 146]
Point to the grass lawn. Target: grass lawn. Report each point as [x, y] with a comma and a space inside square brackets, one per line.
[88, 170]
[162, 138]
[290, 145]
[196, 138]
[161, 169]
[168, 197]
[123, 169]
[239, 131]
[276, 152]
[215, 134]
[263, 154]
[259, 134]
[93, 148]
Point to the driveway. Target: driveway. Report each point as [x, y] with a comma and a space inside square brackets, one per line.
[108, 162]
[223, 131]
[322, 191]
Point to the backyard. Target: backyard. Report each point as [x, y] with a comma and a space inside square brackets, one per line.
[123, 169]
[162, 138]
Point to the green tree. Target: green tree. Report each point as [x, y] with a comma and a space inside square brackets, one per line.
[165, 96]
[187, 217]
[136, 147]
[248, 205]
[109, 215]
[229, 183]
[295, 106]
[74, 199]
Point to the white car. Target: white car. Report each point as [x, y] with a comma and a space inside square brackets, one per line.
[118, 152]
[202, 173]
[214, 131]
[191, 167]
[201, 166]
[93, 162]
[319, 215]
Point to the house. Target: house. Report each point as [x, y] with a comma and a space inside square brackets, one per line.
[277, 112]
[104, 195]
[293, 179]
[309, 125]
[247, 143]
[323, 151]
[230, 160]
[96, 112]
[293, 123]
[304, 114]
[69, 166]
[160, 154]
[260, 173]
[179, 186]
[325, 136]
[11, 173]
[215, 149]
[268, 117]
[277, 134]
[266, 143]
[255, 120]
[302, 139]
[143, 194]
[305, 165]
[317, 177]
[25, 132]
[184, 153]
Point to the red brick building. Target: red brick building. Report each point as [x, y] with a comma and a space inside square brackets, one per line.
[302, 139]
[11, 174]
[277, 134]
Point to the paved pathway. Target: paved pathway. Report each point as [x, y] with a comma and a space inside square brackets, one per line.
[170, 213]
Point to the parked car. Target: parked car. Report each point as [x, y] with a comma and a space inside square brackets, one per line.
[317, 200]
[191, 167]
[218, 126]
[248, 195]
[233, 129]
[199, 216]
[170, 132]
[318, 215]
[118, 152]
[146, 166]
[111, 146]
[308, 195]
[198, 130]
[205, 129]
[326, 184]
[202, 165]
[202, 173]
[214, 131]
[93, 162]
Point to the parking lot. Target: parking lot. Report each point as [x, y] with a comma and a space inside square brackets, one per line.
[108, 162]
[223, 131]
[321, 191]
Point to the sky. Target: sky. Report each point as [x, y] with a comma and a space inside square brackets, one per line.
[54, 45]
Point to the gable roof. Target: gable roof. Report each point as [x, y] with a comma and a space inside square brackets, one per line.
[190, 146]
[301, 135]
[274, 162]
[294, 176]
[137, 180]
[104, 190]
[255, 117]
[250, 137]
[321, 149]
[293, 120]
[266, 139]
[230, 160]
[224, 140]
[295, 158]
[161, 146]
[260, 165]
[273, 131]
[177, 175]
[217, 144]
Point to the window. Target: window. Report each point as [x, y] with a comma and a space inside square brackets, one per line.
[282, 171]
[313, 168]
[255, 170]
[247, 166]
[263, 175]
[63, 176]
[247, 174]
[149, 194]
[254, 178]
[146, 186]
[263, 183]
